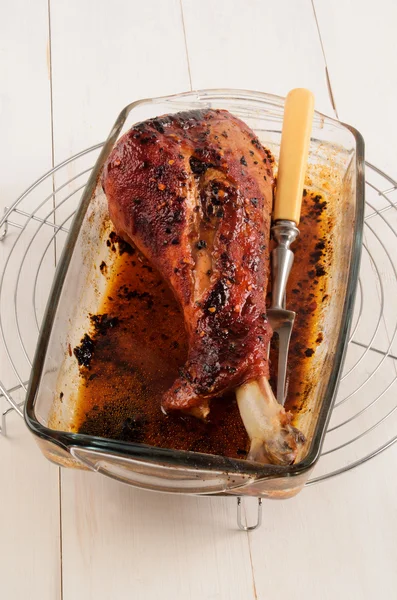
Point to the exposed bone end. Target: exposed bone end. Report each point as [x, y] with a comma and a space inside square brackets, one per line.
[273, 438]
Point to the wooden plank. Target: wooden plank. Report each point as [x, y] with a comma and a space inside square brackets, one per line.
[25, 119]
[29, 499]
[25, 152]
[336, 539]
[116, 538]
[255, 45]
[104, 58]
[29, 514]
[362, 71]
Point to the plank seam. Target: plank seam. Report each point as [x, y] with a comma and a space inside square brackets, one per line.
[327, 75]
[55, 263]
[60, 531]
[52, 121]
[186, 46]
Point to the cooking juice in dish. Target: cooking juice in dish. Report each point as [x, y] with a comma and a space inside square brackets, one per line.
[137, 344]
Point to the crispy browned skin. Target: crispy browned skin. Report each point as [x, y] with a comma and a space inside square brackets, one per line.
[193, 191]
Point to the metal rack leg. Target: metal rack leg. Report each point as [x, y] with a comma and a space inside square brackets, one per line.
[4, 227]
[239, 519]
[3, 430]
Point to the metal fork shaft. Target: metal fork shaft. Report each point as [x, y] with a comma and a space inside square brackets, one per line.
[284, 233]
[284, 336]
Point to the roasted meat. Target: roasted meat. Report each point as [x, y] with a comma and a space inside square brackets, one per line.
[193, 191]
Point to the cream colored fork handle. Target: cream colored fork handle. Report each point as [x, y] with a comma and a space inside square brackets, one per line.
[295, 140]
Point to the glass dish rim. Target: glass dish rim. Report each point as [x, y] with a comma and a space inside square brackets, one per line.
[182, 458]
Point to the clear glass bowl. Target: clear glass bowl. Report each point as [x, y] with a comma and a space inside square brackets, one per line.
[336, 169]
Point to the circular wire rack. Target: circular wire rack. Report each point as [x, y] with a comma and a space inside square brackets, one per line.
[364, 419]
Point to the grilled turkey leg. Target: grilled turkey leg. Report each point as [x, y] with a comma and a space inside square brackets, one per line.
[193, 191]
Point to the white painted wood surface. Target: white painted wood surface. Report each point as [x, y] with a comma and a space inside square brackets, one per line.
[362, 71]
[30, 565]
[88, 537]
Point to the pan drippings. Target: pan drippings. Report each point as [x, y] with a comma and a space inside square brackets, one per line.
[137, 344]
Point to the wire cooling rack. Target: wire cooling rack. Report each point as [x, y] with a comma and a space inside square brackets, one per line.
[364, 420]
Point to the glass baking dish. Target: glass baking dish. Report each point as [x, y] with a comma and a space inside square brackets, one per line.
[336, 170]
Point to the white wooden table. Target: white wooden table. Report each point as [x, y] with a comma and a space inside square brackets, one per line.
[66, 69]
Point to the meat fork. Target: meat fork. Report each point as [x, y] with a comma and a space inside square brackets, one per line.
[294, 149]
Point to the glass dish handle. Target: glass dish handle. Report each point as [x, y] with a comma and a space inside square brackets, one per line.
[157, 477]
